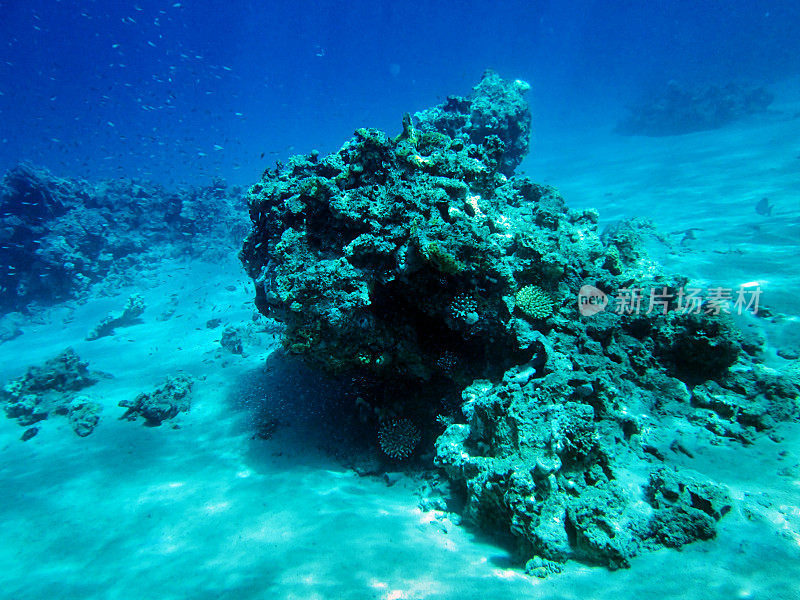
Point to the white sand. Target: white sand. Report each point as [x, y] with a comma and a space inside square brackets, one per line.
[204, 511]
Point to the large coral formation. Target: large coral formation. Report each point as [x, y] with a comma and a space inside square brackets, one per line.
[420, 264]
[59, 236]
[369, 254]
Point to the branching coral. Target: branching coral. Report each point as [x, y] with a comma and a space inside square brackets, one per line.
[398, 438]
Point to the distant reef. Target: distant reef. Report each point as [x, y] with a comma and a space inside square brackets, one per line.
[59, 236]
[445, 286]
[681, 110]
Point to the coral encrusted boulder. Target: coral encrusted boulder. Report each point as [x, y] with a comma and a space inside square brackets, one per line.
[405, 256]
[423, 263]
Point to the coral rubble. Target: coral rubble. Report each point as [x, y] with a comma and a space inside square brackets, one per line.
[425, 268]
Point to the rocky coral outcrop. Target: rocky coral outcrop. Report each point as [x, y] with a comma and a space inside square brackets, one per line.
[163, 403]
[51, 389]
[422, 267]
[394, 253]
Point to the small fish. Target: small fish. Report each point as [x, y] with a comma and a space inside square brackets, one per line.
[764, 208]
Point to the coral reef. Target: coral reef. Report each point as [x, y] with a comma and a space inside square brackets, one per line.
[391, 253]
[162, 404]
[50, 389]
[495, 116]
[425, 270]
[59, 236]
[680, 110]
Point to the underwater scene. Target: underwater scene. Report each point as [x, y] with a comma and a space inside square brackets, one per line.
[400, 301]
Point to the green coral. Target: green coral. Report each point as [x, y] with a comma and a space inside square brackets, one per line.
[534, 302]
[443, 260]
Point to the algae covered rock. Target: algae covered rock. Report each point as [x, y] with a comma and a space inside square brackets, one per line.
[539, 461]
[687, 506]
[495, 116]
[83, 415]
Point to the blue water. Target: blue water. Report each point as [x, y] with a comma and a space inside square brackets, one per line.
[180, 91]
